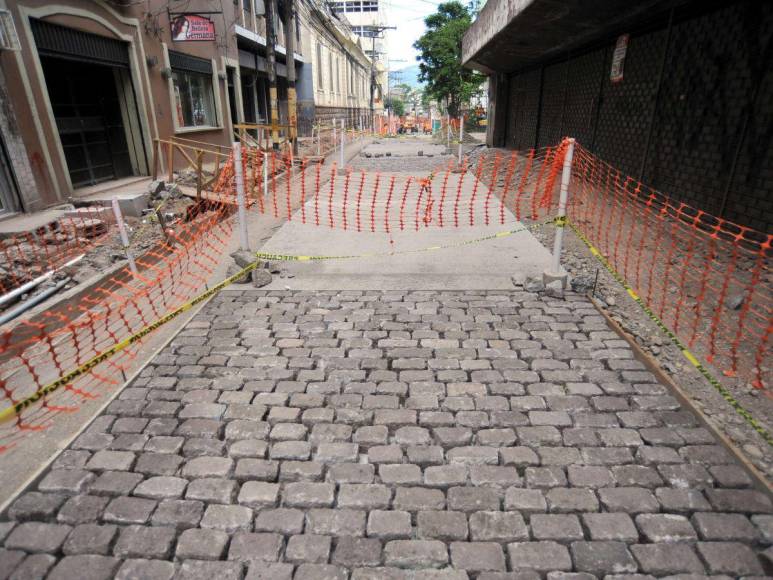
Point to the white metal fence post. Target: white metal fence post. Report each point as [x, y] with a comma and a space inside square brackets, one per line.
[448, 130]
[124, 235]
[265, 174]
[557, 272]
[335, 135]
[239, 174]
[461, 135]
[343, 139]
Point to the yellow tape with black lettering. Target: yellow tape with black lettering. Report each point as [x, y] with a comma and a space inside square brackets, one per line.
[11, 412]
[721, 389]
[305, 258]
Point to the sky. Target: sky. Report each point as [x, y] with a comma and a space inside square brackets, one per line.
[408, 16]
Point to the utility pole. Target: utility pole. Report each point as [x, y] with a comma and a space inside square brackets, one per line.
[377, 30]
[271, 13]
[292, 101]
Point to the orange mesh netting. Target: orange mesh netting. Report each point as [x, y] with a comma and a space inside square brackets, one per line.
[706, 278]
[39, 350]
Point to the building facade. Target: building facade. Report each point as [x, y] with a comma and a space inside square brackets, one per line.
[678, 95]
[368, 19]
[89, 85]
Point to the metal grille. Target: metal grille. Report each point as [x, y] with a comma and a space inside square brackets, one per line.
[582, 95]
[706, 92]
[63, 42]
[524, 100]
[750, 196]
[626, 106]
[187, 62]
[551, 110]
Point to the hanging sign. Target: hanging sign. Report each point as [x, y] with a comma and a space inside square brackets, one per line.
[191, 27]
[618, 59]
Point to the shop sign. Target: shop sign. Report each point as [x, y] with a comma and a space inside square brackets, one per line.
[192, 27]
[618, 59]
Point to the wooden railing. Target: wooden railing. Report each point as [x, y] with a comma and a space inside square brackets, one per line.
[196, 154]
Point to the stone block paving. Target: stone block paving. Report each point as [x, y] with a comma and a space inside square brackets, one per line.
[397, 435]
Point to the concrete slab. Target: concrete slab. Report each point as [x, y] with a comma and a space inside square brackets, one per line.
[455, 262]
[28, 222]
[132, 195]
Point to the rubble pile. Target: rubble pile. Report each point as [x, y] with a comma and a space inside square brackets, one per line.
[90, 231]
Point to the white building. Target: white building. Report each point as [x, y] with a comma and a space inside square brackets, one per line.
[367, 19]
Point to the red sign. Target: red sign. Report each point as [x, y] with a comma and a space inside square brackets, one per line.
[187, 27]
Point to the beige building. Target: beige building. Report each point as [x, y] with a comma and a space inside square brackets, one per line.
[90, 84]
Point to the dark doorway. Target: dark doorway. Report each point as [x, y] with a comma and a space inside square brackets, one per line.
[232, 96]
[84, 98]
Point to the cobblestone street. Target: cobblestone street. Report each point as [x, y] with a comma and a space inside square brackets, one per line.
[396, 435]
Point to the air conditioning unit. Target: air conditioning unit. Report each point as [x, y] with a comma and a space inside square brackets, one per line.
[9, 40]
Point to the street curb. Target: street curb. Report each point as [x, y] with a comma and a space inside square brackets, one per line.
[758, 478]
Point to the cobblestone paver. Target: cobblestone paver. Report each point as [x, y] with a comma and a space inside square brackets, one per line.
[392, 435]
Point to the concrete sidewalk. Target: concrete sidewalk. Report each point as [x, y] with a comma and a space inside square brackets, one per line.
[489, 264]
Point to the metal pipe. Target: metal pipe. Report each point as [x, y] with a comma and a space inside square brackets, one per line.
[33, 301]
[343, 140]
[5, 298]
[558, 242]
[238, 173]
[124, 235]
[461, 136]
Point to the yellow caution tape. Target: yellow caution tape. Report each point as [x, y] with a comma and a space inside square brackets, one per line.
[721, 389]
[305, 258]
[11, 412]
[560, 221]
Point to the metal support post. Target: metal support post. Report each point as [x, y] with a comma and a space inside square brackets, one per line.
[265, 173]
[461, 136]
[124, 236]
[556, 271]
[343, 140]
[448, 130]
[335, 135]
[240, 200]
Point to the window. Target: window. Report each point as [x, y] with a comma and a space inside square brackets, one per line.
[247, 5]
[354, 6]
[193, 96]
[194, 99]
[330, 63]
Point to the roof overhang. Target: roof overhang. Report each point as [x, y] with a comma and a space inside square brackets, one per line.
[509, 35]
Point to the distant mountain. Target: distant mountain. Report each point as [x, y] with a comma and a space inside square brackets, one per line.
[408, 76]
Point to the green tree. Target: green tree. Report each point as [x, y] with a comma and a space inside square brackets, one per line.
[396, 105]
[440, 59]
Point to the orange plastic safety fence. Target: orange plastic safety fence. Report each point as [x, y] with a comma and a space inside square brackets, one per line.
[46, 346]
[40, 349]
[27, 255]
[708, 279]
[373, 202]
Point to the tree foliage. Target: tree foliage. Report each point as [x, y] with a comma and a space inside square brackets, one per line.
[440, 59]
[396, 105]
